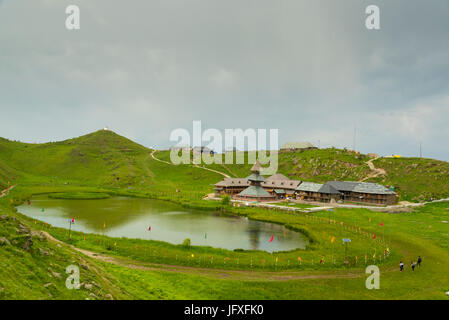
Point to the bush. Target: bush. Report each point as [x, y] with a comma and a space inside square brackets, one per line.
[186, 243]
[225, 200]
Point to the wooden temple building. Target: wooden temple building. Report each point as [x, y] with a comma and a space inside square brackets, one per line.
[257, 188]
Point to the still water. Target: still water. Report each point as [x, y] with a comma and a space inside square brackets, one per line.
[133, 217]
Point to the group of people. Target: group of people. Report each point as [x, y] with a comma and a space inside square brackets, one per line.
[413, 264]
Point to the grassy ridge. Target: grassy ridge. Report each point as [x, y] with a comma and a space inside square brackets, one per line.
[415, 179]
[93, 163]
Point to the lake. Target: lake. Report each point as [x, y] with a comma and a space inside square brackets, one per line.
[169, 222]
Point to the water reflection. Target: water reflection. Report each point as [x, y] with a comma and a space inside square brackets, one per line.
[132, 218]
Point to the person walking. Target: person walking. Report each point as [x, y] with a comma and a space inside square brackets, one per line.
[413, 265]
[419, 261]
[401, 266]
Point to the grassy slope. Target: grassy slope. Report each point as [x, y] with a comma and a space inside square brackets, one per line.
[414, 179]
[97, 159]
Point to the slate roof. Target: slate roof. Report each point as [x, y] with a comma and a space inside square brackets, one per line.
[229, 182]
[281, 184]
[256, 177]
[367, 187]
[255, 192]
[360, 187]
[343, 185]
[309, 187]
[328, 189]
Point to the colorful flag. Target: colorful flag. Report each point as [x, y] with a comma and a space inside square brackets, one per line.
[272, 237]
[73, 220]
[369, 219]
[374, 236]
[205, 235]
[149, 228]
[382, 224]
[333, 239]
[299, 259]
[104, 225]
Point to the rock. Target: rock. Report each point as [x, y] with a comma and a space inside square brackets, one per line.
[4, 217]
[39, 235]
[28, 243]
[43, 252]
[88, 286]
[4, 241]
[109, 296]
[55, 274]
[48, 285]
[93, 296]
[23, 229]
[84, 266]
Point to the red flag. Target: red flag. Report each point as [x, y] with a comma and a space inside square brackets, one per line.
[73, 220]
[374, 236]
[149, 229]
[272, 237]
[382, 224]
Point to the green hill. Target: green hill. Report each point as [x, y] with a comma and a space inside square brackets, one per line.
[414, 179]
[106, 162]
[106, 159]
[100, 159]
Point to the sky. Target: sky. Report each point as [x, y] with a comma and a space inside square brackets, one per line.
[308, 68]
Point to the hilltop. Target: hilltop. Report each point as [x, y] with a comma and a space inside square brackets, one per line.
[99, 159]
[106, 159]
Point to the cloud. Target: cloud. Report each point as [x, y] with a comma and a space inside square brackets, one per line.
[310, 69]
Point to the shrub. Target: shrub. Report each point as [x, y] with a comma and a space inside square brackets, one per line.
[225, 200]
[186, 243]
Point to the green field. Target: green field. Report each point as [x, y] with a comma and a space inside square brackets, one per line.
[105, 164]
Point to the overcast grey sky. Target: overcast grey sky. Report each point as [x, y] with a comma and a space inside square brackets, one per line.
[309, 68]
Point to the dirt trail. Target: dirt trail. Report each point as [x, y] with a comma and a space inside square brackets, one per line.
[375, 172]
[195, 165]
[215, 273]
[5, 192]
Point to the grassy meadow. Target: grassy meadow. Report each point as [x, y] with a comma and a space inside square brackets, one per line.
[104, 164]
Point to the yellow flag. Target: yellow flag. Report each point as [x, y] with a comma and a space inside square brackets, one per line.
[277, 259]
[104, 225]
[115, 244]
[333, 239]
[193, 256]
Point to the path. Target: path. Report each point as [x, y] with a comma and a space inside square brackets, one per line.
[195, 165]
[6, 191]
[375, 172]
[212, 272]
